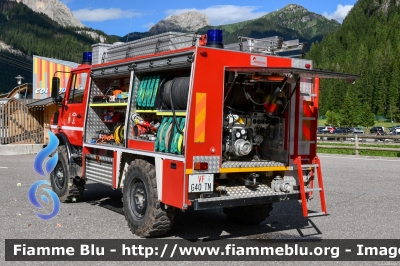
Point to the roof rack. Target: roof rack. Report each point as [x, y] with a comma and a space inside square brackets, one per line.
[168, 41]
[103, 53]
[271, 45]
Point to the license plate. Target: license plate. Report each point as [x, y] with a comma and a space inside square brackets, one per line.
[201, 183]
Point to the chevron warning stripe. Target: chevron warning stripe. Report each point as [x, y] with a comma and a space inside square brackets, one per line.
[306, 130]
[306, 127]
[200, 117]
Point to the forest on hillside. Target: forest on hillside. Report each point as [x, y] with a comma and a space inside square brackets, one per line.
[36, 34]
[368, 44]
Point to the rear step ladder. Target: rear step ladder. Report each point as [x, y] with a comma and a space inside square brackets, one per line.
[314, 167]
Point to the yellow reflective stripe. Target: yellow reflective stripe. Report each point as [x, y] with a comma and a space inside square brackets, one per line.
[254, 169]
[189, 171]
[200, 117]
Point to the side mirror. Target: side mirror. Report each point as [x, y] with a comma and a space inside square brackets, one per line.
[55, 88]
[58, 99]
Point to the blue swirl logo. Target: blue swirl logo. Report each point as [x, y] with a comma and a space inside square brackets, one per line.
[50, 165]
[33, 199]
[43, 154]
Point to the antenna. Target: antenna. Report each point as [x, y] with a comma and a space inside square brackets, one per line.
[127, 36]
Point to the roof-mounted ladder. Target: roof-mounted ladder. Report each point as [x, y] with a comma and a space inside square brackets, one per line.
[271, 45]
[103, 53]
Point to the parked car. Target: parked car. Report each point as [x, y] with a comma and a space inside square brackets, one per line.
[326, 129]
[344, 129]
[336, 133]
[321, 130]
[376, 130]
[356, 130]
[394, 129]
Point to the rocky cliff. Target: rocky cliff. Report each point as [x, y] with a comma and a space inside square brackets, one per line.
[187, 21]
[55, 10]
[11, 50]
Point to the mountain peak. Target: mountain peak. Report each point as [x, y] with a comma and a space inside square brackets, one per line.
[55, 10]
[187, 21]
[293, 8]
[298, 18]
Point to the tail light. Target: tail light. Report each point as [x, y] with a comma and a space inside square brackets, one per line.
[200, 166]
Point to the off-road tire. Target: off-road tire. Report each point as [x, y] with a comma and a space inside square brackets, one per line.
[145, 215]
[248, 215]
[67, 187]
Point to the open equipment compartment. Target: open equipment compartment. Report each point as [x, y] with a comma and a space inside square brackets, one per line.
[108, 100]
[255, 115]
[158, 110]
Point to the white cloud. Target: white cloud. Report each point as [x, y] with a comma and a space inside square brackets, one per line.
[102, 14]
[340, 13]
[224, 14]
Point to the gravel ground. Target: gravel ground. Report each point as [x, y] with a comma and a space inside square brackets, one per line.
[362, 197]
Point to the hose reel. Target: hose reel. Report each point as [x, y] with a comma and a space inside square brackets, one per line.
[175, 92]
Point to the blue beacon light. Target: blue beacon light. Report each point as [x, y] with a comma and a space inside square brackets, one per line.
[214, 38]
[87, 58]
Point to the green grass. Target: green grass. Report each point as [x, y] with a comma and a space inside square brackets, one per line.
[394, 146]
[364, 153]
[386, 125]
[321, 149]
[321, 122]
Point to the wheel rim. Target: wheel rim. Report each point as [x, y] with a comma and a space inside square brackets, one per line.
[138, 198]
[58, 176]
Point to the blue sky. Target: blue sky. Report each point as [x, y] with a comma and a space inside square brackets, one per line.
[120, 17]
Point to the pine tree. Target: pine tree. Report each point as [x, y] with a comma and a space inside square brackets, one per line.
[349, 111]
[367, 118]
[332, 118]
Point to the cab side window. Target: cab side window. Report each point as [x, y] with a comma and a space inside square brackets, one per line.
[78, 82]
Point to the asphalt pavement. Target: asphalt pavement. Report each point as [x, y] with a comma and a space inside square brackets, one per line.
[362, 202]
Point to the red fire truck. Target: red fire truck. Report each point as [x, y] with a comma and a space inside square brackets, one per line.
[179, 121]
